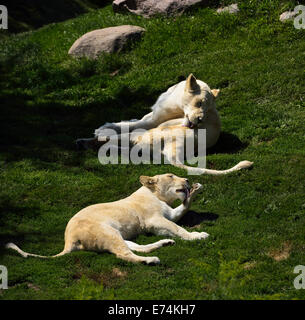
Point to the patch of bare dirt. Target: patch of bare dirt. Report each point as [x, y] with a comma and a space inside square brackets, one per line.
[282, 253]
[33, 286]
[119, 273]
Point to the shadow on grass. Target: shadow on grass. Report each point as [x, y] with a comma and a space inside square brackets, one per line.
[227, 143]
[38, 130]
[27, 15]
[15, 213]
[192, 218]
[46, 130]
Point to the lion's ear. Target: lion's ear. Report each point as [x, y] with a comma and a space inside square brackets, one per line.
[191, 84]
[148, 182]
[215, 92]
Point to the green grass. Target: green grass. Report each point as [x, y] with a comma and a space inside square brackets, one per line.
[49, 99]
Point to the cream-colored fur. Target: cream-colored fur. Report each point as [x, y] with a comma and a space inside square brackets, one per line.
[191, 98]
[110, 226]
[189, 102]
[174, 139]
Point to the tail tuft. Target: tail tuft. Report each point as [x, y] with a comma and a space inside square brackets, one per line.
[244, 164]
[11, 245]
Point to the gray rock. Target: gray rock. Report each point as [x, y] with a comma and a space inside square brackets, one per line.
[108, 40]
[232, 8]
[287, 15]
[148, 8]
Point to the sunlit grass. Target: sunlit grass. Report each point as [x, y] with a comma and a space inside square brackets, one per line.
[48, 99]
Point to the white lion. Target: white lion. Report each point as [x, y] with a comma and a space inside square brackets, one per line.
[110, 226]
[179, 112]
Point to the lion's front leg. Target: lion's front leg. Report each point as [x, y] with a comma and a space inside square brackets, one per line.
[177, 213]
[162, 227]
[147, 122]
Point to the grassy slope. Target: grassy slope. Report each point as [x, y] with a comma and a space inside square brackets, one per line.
[48, 100]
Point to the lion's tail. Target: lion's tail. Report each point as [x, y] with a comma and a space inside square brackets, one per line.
[197, 171]
[26, 254]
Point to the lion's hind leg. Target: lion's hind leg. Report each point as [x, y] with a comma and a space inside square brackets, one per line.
[110, 239]
[149, 247]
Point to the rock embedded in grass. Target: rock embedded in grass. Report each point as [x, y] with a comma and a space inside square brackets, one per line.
[232, 8]
[287, 15]
[108, 40]
[149, 8]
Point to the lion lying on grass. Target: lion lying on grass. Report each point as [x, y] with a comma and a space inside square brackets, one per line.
[110, 226]
[189, 103]
[192, 103]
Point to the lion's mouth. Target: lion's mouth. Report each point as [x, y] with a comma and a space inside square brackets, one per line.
[188, 123]
[191, 125]
[185, 190]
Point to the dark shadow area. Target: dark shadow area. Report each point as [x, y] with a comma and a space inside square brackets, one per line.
[17, 213]
[224, 83]
[28, 15]
[203, 4]
[17, 239]
[14, 213]
[192, 218]
[227, 143]
[43, 131]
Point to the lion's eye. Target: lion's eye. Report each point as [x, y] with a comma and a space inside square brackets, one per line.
[171, 176]
[200, 104]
